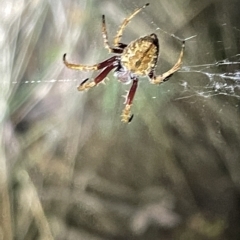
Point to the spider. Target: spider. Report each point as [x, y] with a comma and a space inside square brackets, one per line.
[137, 59]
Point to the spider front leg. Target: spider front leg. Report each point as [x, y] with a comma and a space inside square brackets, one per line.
[116, 41]
[164, 77]
[108, 65]
[119, 48]
[85, 85]
[126, 113]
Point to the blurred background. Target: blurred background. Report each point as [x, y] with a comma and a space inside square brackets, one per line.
[70, 169]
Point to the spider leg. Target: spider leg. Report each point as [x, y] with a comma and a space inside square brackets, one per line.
[165, 76]
[105, 39]
[82, 67]
[85, 85]
[124, 24]
[126, 113]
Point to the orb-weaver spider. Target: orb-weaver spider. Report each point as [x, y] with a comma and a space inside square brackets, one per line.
[137, 59]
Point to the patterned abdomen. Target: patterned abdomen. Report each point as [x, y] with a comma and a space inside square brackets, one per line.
[140, 56]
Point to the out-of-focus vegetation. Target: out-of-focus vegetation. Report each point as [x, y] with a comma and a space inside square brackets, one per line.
[69, 169]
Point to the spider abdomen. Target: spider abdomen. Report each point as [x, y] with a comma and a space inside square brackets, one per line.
[140, 56]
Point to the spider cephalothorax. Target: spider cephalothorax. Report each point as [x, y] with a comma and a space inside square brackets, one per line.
[137, 59]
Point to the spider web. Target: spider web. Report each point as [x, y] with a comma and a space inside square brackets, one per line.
[220, 82]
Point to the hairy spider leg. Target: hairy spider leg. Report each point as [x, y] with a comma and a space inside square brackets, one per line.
[165, 76]
[108, 65]
[118, 36]
[94, 67]
[100, 77]
[119, 49]
[126, 113]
